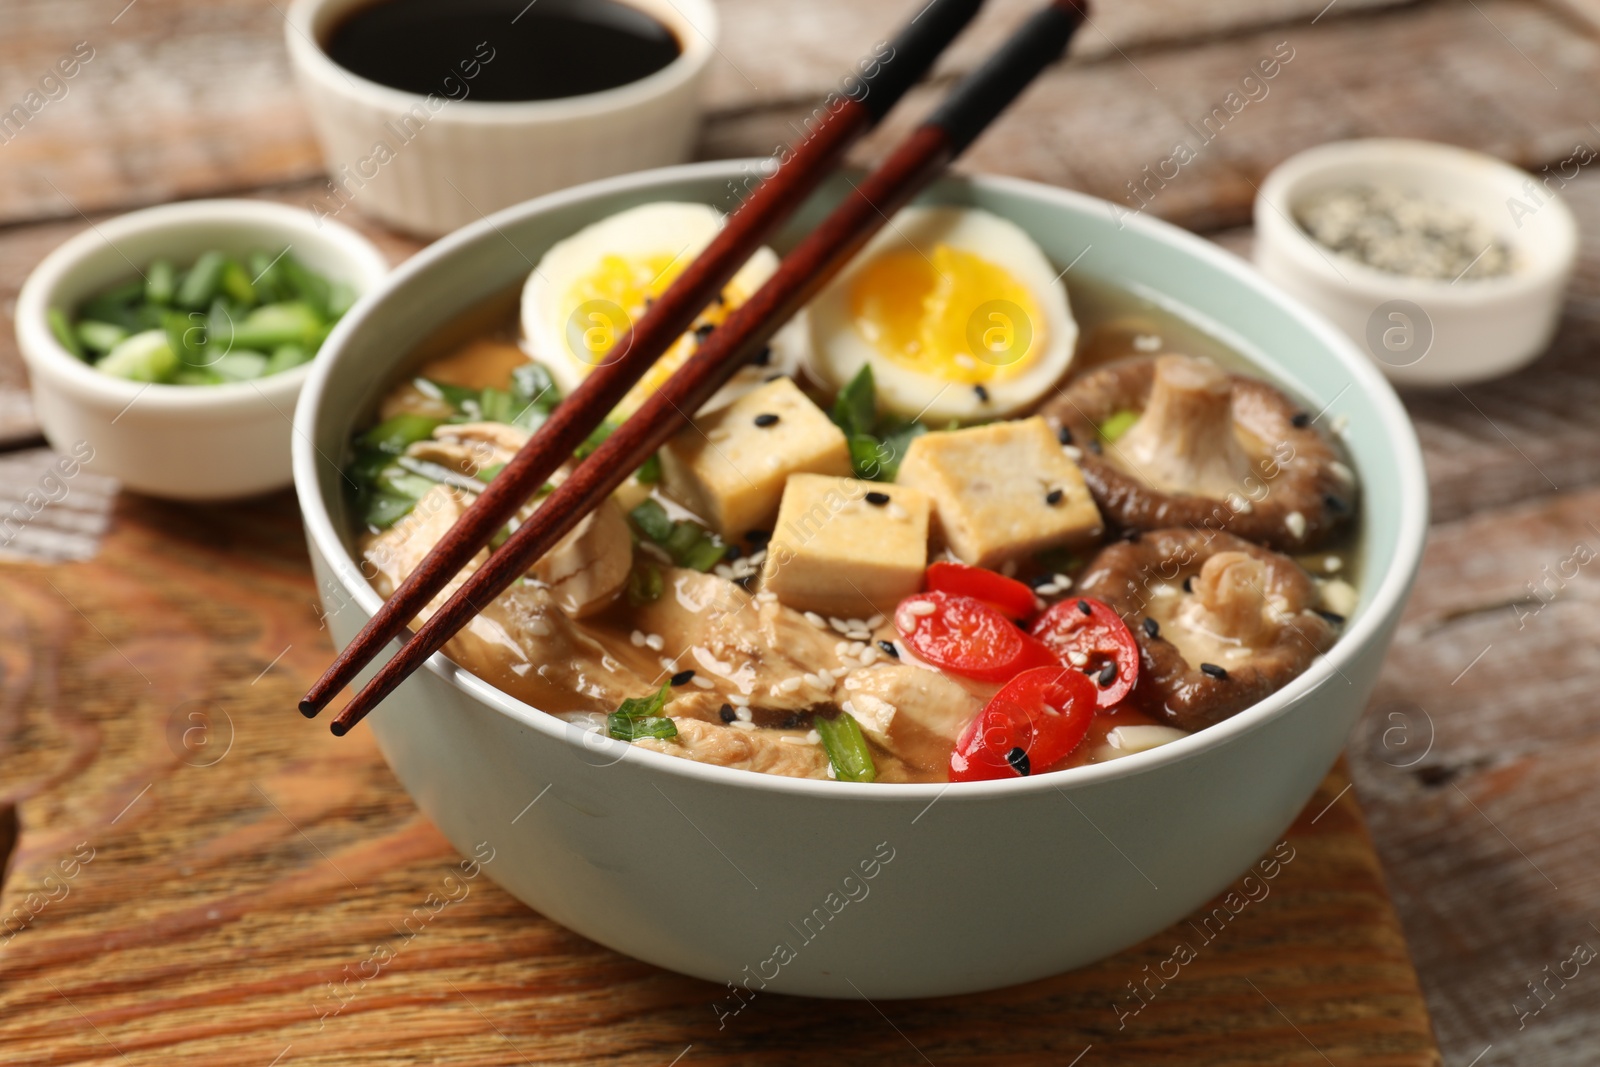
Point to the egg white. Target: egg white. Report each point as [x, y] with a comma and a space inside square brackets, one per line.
[839, 349]
[665, 228]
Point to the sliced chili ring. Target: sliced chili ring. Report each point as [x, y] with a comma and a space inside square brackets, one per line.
[1006, 595]
[1033, 723]
[965, 636]
[1087, 635]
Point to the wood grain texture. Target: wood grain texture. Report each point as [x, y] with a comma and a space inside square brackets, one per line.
[239, 859]
[1509, 78]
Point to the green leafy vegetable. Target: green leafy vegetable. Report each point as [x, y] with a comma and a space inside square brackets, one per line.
[846, 748]
[688, 543]
[395, 435]
[200, 284]
[877, 444]
[639, 717]
[63, 331]
[1117, 424]
[160, 282]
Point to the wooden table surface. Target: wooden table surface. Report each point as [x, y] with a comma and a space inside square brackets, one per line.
[185, 906]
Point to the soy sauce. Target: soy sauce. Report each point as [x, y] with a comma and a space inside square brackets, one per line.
[501, 50]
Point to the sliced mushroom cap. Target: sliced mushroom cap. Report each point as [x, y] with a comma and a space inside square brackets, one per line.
[1229, 622]
[1209, 450]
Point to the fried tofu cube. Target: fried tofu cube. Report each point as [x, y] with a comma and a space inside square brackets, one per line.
[730, 466]
[845, 547]
[1002, 491]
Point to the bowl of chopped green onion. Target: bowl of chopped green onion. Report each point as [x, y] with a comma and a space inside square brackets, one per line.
[174, 341]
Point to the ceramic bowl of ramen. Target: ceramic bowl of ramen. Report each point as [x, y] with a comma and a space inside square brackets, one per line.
[870, 685]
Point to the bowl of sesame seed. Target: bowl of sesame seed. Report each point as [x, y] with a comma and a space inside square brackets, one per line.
[1446, 266]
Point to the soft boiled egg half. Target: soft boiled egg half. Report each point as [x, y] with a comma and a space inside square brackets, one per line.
[588, 291]
[958, 312]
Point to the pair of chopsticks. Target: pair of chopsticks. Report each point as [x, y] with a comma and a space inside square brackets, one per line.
[908, 169]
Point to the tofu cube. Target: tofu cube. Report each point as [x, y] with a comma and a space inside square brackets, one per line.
[1002, 491]
[730, 466]
[845, 547]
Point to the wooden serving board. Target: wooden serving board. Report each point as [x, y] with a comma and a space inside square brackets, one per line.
[202, 875]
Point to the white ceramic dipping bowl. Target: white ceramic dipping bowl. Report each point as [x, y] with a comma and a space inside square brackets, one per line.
[708, 870]
[182, 442]
[429, 164]
[178, 442]
[1419, 331]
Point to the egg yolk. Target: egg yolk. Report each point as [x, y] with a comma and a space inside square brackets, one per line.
[951, 314]
[605, 303]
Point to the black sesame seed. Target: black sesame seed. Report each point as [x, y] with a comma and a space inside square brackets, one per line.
[758, 537]
[683, 677]
[1188, 584]
[763, 357]
[1019, 761]
[1064, 435]
[982, 393]
[1152, 629]
[1108, 674]
[1331, 616]
[1131, 535]
[877, 499]
[1214, 671]
[765, 419]
[702, 331]
[1334, 503]
[1300, 420]
[1094, 446]
[1054, 497]
[726, 714]
[1083, 606]
[889, 649]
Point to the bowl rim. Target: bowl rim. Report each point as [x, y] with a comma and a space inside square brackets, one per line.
[696, 30]
[1384, 605]
[1274, 223]
[44, 355]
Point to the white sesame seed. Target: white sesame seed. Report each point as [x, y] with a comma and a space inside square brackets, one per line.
[702, 681]
[859, 635]
[743, 714]
[1342, 472]
[740, 724]
[812, 737]
[1073, 452]
[825, 676]
[790, 739]
[838, 624]
[789, 685]
[739, 700]
[655, 642]
[637, 639]
[816, 620]
[1295, 523]
[896, 512]
[812, 680]
[669, 665]
[874, 622]
[1078, 659]
[1333, 564]
[921, 607]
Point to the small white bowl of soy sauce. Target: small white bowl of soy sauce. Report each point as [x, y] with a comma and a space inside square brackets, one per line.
[434, 113]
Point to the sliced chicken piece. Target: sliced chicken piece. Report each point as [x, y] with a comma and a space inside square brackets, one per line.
[884, 698]
[766, 751]
[758, 649]
[589, 566]
[397, 551]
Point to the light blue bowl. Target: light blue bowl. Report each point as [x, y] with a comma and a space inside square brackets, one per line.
[784, 885]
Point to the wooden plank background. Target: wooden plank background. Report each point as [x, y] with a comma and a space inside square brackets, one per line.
[1488, 839]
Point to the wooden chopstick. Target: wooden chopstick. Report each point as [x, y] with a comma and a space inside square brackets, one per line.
[924, 154]
[773, 201]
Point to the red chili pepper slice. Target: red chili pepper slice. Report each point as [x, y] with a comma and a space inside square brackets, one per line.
[1088, 636]
[965, 636]
[1034, 722]
[1006, 595]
